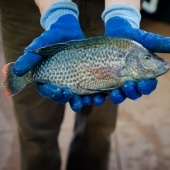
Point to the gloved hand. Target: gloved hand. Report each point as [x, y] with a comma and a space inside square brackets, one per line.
[123, 21]
[61, 24]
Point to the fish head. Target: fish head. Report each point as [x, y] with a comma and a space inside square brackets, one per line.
[143, 63]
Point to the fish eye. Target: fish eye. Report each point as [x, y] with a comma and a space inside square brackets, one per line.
[147, 57]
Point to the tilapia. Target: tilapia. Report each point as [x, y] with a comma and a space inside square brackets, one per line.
[89, 66]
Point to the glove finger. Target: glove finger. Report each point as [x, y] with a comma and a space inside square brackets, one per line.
[153, 42]
[28, 60]
[49, 90]
[76, 103]
[25, 63]
[146, 86]
[121, 28]
[130, 90]
[98, 99]
[87, 100]
[117, 96]
[66, 96]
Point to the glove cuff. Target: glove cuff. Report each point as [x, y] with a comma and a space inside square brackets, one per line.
[57, 10]
[131, 14]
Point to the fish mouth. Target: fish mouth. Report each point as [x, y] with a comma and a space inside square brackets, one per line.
[166, 69]
[162, 73]
[168, 66]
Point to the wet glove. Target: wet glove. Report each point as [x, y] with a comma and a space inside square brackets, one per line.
[61, 24]
[123, 21]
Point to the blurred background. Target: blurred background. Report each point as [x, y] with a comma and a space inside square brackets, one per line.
[142, 137]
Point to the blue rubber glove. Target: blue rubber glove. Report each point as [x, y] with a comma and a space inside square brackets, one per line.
[61, 24]
[123, 21]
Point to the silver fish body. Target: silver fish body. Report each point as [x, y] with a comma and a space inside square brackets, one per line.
[95, 65]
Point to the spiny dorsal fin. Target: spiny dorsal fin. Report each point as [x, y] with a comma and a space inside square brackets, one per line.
[49, 50]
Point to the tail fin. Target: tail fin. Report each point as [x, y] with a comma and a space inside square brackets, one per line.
[12, 83]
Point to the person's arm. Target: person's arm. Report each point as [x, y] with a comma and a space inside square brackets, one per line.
[133, 3]
[43, 5]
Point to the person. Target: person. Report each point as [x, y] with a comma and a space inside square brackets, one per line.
[39, 118]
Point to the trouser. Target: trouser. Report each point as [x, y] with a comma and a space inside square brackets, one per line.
[38, 118]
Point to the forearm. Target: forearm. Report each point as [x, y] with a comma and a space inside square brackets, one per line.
[43, 5]
[134, 3]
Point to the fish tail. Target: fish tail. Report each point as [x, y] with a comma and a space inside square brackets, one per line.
[12, 83]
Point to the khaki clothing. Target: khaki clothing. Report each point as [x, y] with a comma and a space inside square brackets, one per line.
[39, 119]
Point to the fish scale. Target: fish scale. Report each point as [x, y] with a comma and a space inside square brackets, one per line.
[73, 70]
[89, 66]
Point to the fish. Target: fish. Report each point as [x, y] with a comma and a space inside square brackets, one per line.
[88, 66]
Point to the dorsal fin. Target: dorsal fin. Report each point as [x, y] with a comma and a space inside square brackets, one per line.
[49, 50]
